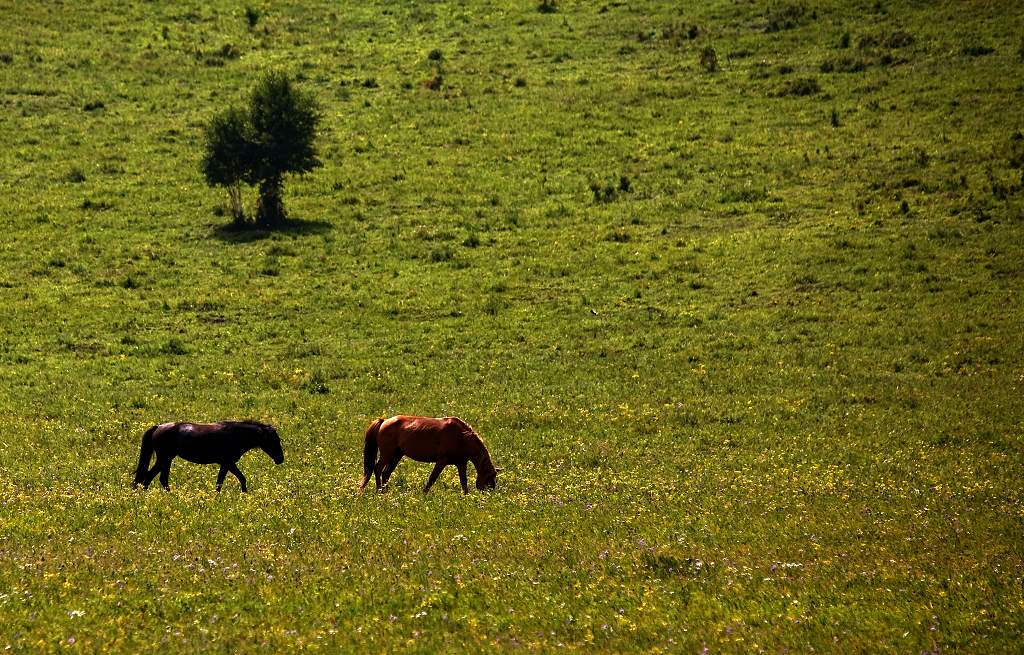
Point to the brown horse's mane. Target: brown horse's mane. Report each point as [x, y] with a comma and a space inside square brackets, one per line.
[481, 458]
[467, 431]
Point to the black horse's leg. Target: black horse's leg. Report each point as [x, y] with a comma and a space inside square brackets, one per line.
[165, 474]
[150, 474]
[220, 476]
[158, 466]
[238, 474]
[433, 474]
[462, 476]
[391, 467]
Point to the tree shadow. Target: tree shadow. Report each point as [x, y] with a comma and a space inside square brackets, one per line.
[249, 232]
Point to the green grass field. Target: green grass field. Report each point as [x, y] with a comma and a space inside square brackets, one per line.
[745, 341]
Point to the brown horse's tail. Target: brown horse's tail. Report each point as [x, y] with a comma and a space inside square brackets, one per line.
[370, 451]
[145, 453]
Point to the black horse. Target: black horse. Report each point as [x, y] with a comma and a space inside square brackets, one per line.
[221, 443]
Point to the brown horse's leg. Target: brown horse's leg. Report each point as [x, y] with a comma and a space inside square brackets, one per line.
[238, 474]
[382, 471]
[220, 476]
[391, 467]
[378, 471]
[462, 477]
[433, 474]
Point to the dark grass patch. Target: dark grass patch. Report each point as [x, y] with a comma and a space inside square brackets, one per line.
[977, 50]
[681, 32]
[96, 205]
[174, 346]
[844, 65]
[801, 87]
[786, 16]
[619, 235]
[436, 82]
[442, 253]
[743, 194]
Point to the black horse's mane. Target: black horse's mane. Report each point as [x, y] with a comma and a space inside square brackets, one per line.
[249, 424]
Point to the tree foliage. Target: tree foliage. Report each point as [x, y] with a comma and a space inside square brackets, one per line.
[260, 143]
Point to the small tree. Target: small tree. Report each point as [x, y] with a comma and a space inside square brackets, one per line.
[259, 144]
[227, 155]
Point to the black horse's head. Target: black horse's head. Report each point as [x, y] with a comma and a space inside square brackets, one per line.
[270, 443]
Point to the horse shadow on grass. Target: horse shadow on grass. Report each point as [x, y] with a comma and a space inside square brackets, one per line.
[244, 232]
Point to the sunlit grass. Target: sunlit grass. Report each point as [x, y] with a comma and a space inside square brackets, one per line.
[750, 361]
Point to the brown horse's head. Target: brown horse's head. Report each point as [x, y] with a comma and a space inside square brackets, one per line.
[270, 443]
[486, 475]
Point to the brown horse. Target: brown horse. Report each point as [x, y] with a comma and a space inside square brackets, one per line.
[221, 443]
[447, 440]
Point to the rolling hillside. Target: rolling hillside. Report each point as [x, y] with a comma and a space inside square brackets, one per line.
[731, 290]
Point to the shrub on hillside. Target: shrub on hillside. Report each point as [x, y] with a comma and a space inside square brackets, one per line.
[261, 143]
[708, 59]
[609, 192]
[1016, 154]
[252, 16]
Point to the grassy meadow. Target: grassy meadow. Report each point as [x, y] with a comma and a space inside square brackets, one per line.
[731, 290]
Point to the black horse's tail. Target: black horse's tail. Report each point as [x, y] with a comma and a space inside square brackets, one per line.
[370, 451]
[145, 453]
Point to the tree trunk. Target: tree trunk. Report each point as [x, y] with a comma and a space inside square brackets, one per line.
[270, 208]
[237, 212]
